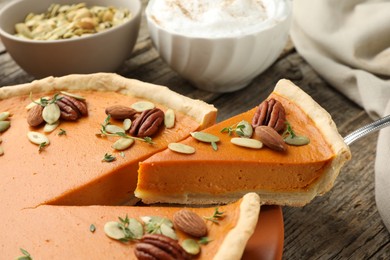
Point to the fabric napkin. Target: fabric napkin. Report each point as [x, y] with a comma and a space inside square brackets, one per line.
[348, 43]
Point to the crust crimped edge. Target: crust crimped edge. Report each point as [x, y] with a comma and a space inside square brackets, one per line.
[234, 244]
[202, 112]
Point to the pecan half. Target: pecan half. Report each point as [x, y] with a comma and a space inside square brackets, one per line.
[34, 117]
[153, 246]
[270, 113]
[120, 112]
[148, 123]
[71, 108]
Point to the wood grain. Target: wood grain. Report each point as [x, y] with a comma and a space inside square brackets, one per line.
[344, 223]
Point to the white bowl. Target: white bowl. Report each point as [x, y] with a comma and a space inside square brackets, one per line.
[222, 64]
[101, 52]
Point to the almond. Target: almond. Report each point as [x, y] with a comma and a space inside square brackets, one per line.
[35, 117]
[270, 138]
[190, 223]
[120, 112]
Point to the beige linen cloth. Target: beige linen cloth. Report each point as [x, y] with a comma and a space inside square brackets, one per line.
[348, 43]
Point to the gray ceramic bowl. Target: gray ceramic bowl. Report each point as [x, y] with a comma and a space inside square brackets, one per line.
[101, 52]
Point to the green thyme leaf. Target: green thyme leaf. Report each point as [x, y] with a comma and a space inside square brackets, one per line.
[92, 228]
[62, 132]
[204, 240]
[108, 158]
[26, 255]
[42, 146]
[214, 145]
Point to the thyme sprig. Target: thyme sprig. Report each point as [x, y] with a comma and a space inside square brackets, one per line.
[216, 217]
[103, 132]
[289, 131]
[42, 146]
[44, 101]
[26, 255]
[124, 226]
[234, 128]
[108, 158]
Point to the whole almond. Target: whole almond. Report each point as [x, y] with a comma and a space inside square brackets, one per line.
[190, 223]
[34, 117]
[270, 138]
[120, 112]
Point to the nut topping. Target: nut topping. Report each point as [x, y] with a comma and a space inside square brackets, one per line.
[120, 112]
[190, 223]
[153, 246]
[34, 117]
[270, 113]
[72, 108]
[270, 138]
[147, 124]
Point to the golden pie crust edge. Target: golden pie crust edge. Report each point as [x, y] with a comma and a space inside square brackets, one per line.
[202, 112]
[235, 241]
[328, 128]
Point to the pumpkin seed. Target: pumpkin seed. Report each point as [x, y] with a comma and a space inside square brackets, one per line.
[141, 106]
[297, 140]
[247, 142]
[181, 148]
[37, 138]
[36, 102]
[168, 231]
[205, 137]
[191, 246]
[4, 115]
[127, 124]
[1, 150]
[4, 125]
[73, 95]
[51, 113]
[122, 143]
[244, 129]
[113, 230]
[169, 118]
[48, 128]
[112, 129]
[136, 228]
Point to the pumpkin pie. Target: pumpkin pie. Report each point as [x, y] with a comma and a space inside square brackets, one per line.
[56, 197]
[222, 171]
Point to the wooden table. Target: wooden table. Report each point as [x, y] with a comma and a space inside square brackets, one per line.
[344, 223]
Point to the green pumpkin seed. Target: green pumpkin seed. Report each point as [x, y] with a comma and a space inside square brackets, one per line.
[122, 143]
[4, 115]
[247, 142]
[4, 125]
[181, 148]
[205, 137]
[141, 106]
[191, 246]
[51, 113]
[48, 128]
[37, 138]
[136, 228]
[244, 129]
[127, 124]
[169, 118]
[73, 95]
[168, 231]
[113, 230]
[297, 140]
[112, 129]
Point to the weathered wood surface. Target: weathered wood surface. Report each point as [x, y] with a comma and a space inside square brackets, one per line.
[343, 223]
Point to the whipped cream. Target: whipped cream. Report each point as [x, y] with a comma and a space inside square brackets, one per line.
[217, 18]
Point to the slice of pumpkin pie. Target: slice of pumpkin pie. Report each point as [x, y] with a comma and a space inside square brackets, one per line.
[287, 150]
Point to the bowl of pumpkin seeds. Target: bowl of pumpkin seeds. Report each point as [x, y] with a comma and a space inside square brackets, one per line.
[70, 37]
